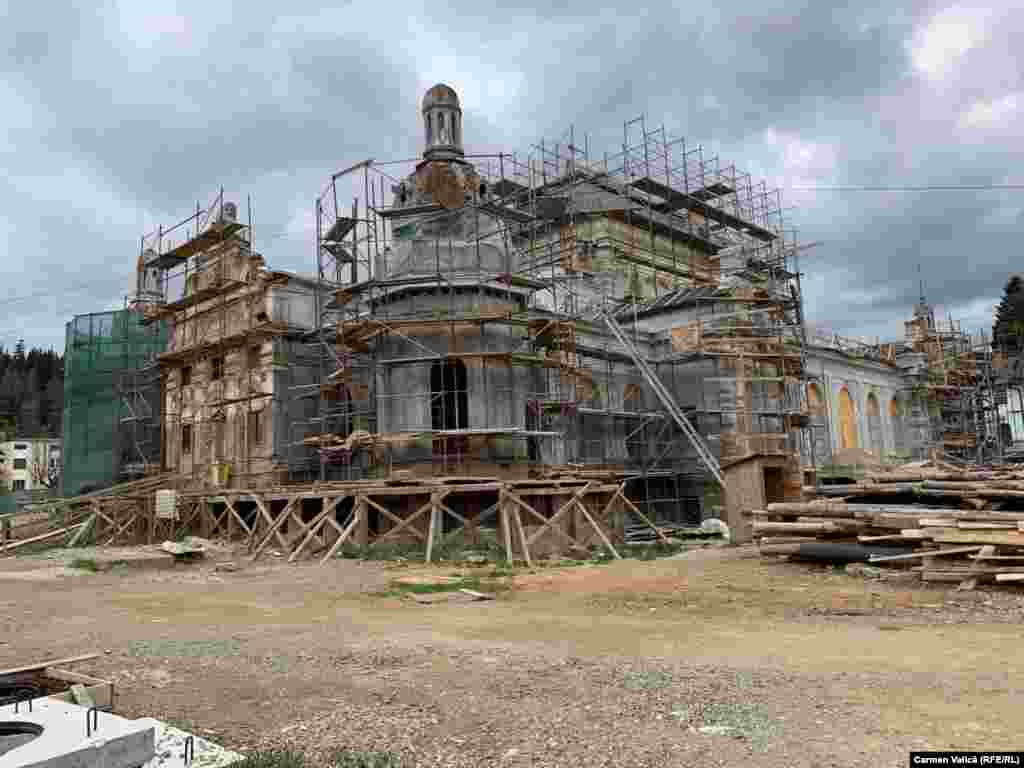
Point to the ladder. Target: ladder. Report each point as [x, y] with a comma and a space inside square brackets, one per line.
[666, 398]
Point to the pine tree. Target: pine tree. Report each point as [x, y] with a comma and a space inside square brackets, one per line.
[1008, 329]
[32, 391]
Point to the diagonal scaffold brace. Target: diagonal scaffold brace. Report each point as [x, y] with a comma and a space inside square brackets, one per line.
[665, 397]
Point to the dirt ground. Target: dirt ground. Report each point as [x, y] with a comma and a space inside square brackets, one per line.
[716, 658]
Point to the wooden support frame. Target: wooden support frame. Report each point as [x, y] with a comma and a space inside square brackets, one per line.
[283, 517]
[269, 518]
[522, 508]
[314, 526]
[392, 517]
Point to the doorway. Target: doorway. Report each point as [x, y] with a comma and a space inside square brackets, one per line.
[774, 485]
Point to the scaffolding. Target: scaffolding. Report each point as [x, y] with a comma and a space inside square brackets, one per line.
[228, 346]
[953, 392]
[955, 400]
[102, 351]
[460, 332]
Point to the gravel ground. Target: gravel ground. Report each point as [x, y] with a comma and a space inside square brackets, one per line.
[717, 659]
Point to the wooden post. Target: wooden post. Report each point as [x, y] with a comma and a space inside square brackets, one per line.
[522, 538]
[432, 531]
[205, 523]
[363, 529]
[506, 525]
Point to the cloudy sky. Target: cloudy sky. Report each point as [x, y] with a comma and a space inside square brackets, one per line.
[118, 116]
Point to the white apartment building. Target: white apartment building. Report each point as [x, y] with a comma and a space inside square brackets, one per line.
[29, 464]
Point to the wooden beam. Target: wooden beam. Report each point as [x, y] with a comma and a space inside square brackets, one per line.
[549, 522]
[43, 537]
[392, 517]
[405, 523]
[50, 663]
[621, 494]
[270, 521]
[520, 503]
[275, 528]
[923, 553]
[315, 525]
[238, 518]
[522, 538]
[357, 511]
[599, 529]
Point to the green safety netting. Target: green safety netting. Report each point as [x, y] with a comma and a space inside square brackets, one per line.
[98, 350]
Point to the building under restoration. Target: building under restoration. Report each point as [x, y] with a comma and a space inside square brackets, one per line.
[552, 342]
[632, 318]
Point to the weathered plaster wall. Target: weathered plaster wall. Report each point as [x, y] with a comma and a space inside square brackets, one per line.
[860, 378]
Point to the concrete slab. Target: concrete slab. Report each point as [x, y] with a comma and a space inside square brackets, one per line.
[170, 749]
[63, 743]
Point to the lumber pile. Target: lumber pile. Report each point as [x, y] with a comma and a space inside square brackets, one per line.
[962, 526]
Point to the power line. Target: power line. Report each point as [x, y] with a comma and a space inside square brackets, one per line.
[923, 188]
[64, 291]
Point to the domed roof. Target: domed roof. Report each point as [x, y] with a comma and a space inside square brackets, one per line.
[441, 95]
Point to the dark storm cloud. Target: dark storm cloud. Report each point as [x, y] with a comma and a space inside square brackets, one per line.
[120, 116]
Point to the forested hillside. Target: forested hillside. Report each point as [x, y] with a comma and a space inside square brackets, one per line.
[31, 392]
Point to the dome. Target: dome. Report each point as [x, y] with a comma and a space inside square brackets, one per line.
[441, 95]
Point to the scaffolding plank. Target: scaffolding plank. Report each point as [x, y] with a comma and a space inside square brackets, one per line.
[711, 191]
[506, 187]
[341, 227]
[691, 203]
[410, 210]
[190, 300]
[512, 214]
[215, 233]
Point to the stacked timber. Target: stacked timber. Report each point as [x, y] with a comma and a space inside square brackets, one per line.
[964, 527]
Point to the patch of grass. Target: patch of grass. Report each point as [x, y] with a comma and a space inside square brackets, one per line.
[84, 564]
[345, 758]
[750, 721]
[275, 758]
[399, 550]
[452, 547]
[39, 547]
[476, 583]
[651, 551]
[120, 568]
[184, 648]
[467, 582]
[58, 516]
[647, 681]
[182, 724]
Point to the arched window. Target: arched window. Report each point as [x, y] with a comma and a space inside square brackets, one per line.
[815, 402]
[847, 420]
[430, 128]
[449, 395]
[875, 424]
